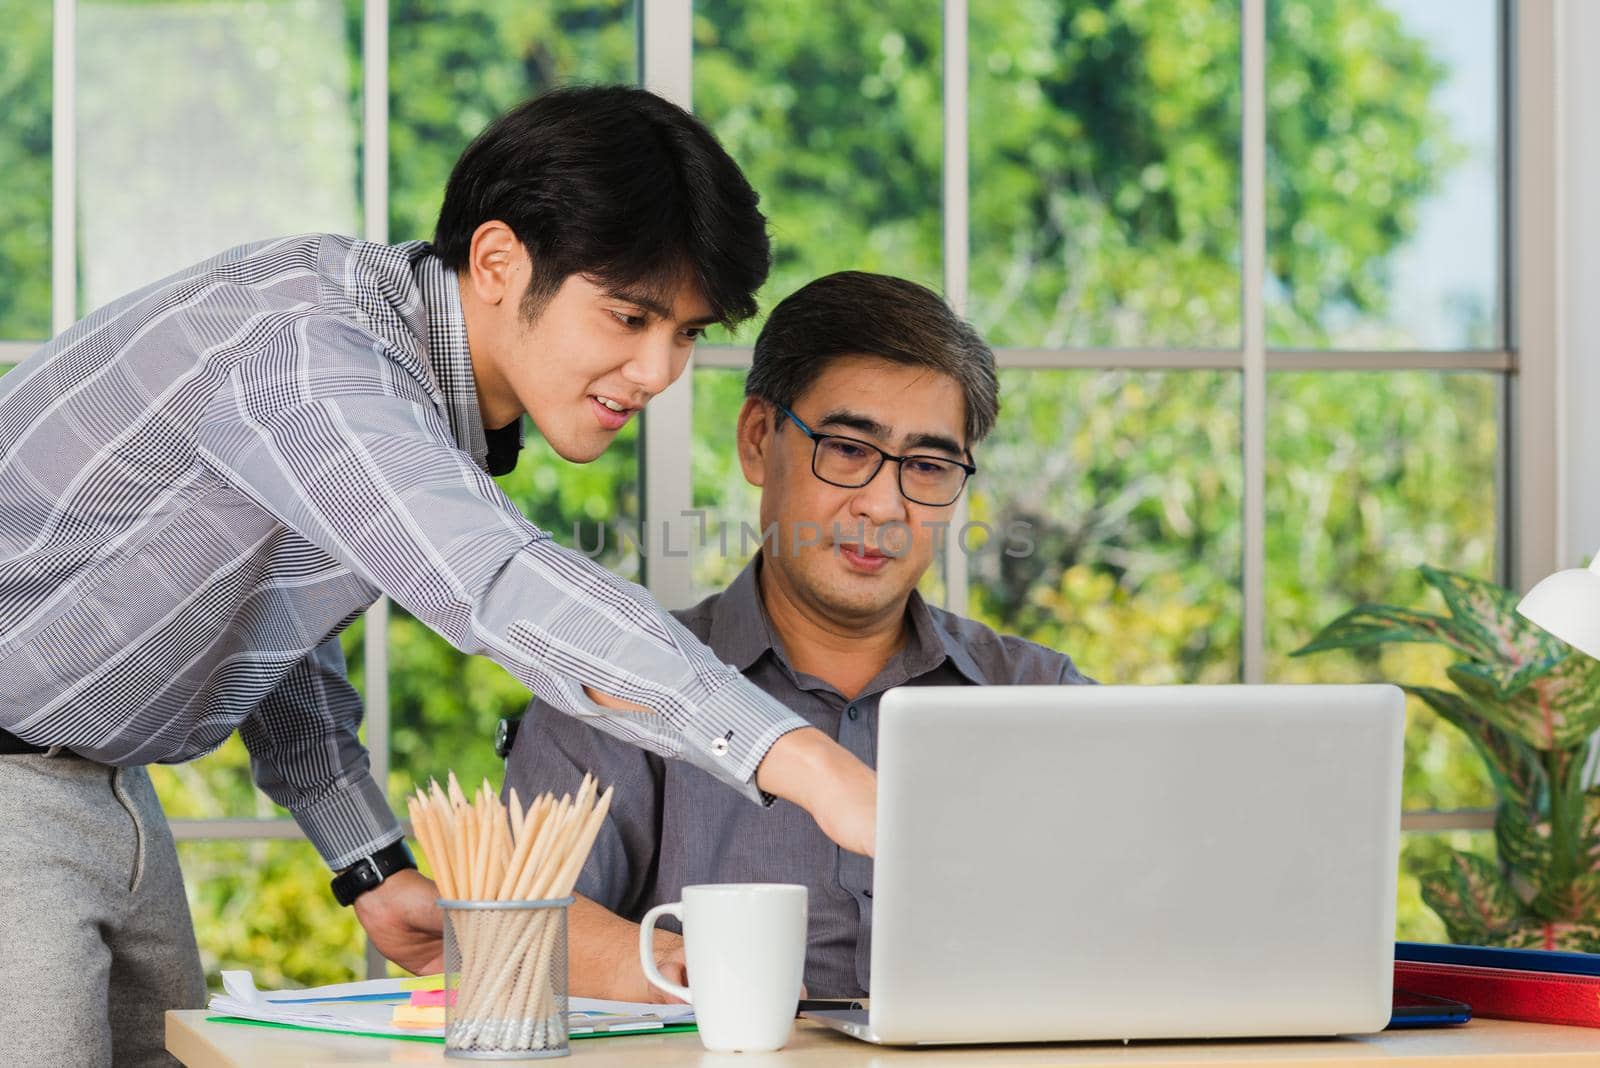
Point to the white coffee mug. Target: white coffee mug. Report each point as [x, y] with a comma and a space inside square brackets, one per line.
[745, 947]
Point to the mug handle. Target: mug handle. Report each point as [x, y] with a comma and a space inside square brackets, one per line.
[647, 950]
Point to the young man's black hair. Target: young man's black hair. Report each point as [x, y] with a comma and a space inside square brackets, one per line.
[616, 183]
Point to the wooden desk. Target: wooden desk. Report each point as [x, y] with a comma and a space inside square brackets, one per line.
[1479, 1044]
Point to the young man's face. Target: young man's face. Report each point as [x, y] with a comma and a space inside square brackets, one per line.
[853, 554]
[591, 358]
[595, 356]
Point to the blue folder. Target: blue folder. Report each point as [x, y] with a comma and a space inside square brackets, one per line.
[1522, 960]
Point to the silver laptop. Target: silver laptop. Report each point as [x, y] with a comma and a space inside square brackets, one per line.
[1125, 862]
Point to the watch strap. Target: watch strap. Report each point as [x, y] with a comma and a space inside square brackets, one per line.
[370, 871]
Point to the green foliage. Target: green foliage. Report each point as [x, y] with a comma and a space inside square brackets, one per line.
[1530, 705]
[1346, 170]
[456, 64]
[1422, 855]
[265, 906]
[834, 114]
[1474, 900]
[1132, 505]
[25, 161]
[1105, 172]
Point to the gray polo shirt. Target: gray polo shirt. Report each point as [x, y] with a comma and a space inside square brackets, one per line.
[672, 825]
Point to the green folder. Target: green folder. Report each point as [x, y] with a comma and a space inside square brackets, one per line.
[665, 1030]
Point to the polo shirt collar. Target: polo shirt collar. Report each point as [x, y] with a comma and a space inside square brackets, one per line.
[741, 633]
[931, 645]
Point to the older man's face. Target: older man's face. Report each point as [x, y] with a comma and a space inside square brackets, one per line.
[853, 553]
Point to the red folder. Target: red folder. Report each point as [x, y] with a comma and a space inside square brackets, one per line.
[1510, 994]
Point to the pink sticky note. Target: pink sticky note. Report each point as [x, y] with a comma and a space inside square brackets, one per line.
[420, 998]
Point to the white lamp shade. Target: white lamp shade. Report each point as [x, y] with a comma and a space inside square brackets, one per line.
[1567, 604]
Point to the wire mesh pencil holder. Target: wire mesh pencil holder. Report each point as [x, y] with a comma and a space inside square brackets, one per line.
[505, 978]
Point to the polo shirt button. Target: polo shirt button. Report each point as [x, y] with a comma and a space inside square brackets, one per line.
[851, 712]
[719, 746]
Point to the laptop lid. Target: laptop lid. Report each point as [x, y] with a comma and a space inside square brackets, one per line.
[1104, 862]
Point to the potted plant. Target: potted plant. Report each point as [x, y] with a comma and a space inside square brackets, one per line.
[1531, 705]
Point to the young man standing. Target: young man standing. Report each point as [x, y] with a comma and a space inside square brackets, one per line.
[864, 402]
[204, 482]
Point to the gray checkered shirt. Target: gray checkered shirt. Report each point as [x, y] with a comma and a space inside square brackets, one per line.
[202, 483]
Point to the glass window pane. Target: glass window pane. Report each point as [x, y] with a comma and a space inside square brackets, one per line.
[25, 162]
[1383, 191]
[1370, 475]
[1128, 484]
[1105, 172]
[834, 114]
[205, 125]
[731, 505]
[1420, 855]
[265, 906]
[453, 68]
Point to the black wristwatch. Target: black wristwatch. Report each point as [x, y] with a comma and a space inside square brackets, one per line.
[371, 870]
[505, 736]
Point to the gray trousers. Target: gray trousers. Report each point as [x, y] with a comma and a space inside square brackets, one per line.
[95, 938]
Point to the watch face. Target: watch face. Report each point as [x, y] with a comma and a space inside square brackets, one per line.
[369, 871]
[351, 883]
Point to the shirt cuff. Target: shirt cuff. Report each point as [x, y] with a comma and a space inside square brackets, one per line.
[736, 726]
[350, 821]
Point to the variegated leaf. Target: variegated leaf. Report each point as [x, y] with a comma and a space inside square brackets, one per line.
[1562, 937]
[1483, 615]
[1464, 926]
[1576, 902]
[1523, 845]
[1513, 765]
[1519, 714]
[1579, 937]
[1531, 934]
[1377, 624]
[1591, 830]
[1567, 686]
[1571, 689]
[1472, 898]
[1510, 679]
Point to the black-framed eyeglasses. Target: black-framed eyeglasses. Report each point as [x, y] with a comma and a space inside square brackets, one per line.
[851, 463]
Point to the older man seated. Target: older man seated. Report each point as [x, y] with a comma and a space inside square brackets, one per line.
[864, 402]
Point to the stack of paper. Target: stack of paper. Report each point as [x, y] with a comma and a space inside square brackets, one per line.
[368, 1008]
[353, 1008]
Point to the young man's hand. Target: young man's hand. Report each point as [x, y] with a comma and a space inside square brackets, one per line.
[404, 921]
[816, 773]
[828, 781]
